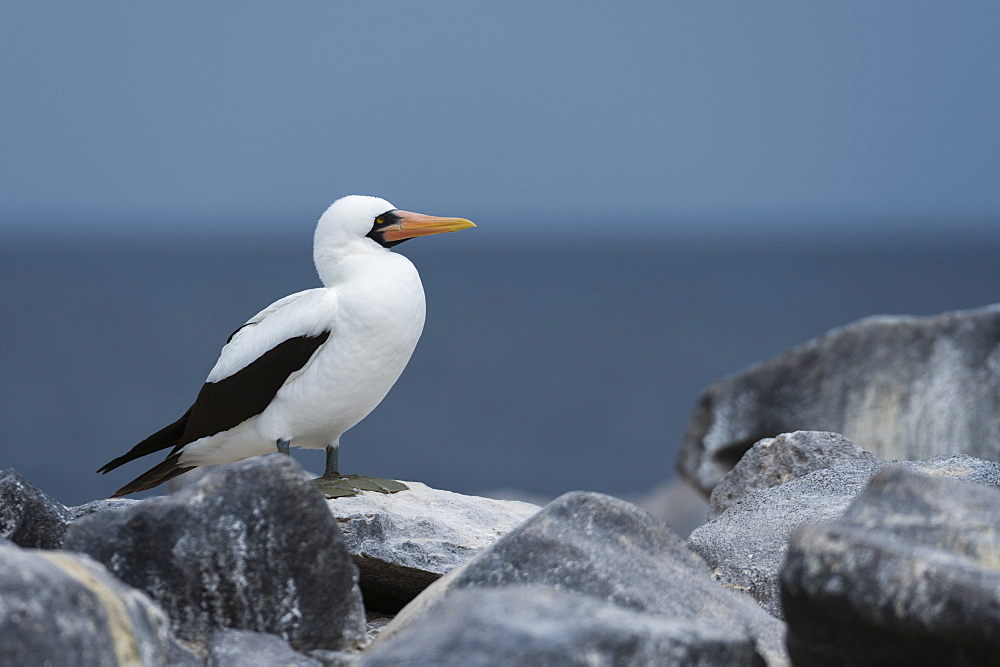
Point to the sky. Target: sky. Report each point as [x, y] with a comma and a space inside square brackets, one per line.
[554, 118]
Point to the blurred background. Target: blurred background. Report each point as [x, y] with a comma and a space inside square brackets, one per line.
[665, 193]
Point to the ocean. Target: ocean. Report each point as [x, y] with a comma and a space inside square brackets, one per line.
[547, 368]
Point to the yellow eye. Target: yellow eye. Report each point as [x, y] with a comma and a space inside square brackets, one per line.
[378, 220]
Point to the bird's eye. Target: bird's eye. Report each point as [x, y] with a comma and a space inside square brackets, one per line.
[379, 220]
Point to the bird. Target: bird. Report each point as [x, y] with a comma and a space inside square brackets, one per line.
[313, 364]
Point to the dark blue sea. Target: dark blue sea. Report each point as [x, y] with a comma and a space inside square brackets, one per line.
[559, 367]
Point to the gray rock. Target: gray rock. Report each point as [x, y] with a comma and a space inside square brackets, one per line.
[28, 517]
[32, 519]
[245, 648]
[746, 545]
[403, 542]
[58, 609]
[375, 623]
[908, 576]
[180, 654]
[774, 461]
[534, 625]
[335, 658]
[904, 387]
[96, 506]
[612, 551]
[251, 546]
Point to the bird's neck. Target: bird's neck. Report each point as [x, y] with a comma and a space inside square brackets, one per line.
[338, 264]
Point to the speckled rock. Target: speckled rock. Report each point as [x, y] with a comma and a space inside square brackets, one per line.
[746, 545]
[534, 625]
[335, 658]
[244, 648]
[182, 654]
[97, 506]
[904, 387]
[907, 576]
[774, 461]
[250, 546]
[59, 609]
[29, 517]
[402, 542]
[614, 552]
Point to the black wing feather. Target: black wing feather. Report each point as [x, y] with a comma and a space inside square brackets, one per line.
[168, 436]
[231, 401]
[219, 407]
[166, 470]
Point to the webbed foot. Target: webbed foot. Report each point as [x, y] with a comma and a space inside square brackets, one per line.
[342, 486]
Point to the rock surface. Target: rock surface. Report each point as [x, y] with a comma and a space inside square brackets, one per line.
[28, 517]
[609, 550]
[32, 519]
[228, 648]
[58, 608]
[534, 625]
[774, 461]
[180, 654]
[746, 545]
[909, 575]
[904, 387]
[250, 546]
[403, 542]
[96, 506]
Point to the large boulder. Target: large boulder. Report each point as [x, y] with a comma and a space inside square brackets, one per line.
[907, 576]
[403, 542]
[58, 608]
[905, 387]
[746, 545]
[250, 546]
[609, 550]
[535, 625]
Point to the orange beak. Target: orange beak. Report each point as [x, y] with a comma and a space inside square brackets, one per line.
[407, 225]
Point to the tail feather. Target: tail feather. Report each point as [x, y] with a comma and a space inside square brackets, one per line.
[166, 470]
[168, 436]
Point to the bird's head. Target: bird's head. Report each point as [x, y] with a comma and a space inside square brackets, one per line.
[358, 223]
[358, 216]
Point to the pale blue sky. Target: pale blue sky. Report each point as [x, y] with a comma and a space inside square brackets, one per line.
[242, 117]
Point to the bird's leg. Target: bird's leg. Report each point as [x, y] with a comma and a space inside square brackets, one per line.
[283, 446]
[335, 485]
[332, 461]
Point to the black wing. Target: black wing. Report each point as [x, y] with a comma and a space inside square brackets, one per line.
[231, 401]
[219, 407]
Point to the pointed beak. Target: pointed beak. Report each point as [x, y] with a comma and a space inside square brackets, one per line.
[406, 225]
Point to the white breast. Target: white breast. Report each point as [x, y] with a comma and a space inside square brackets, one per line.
[379, 318]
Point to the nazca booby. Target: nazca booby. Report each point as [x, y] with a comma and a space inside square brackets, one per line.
[310, 366]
